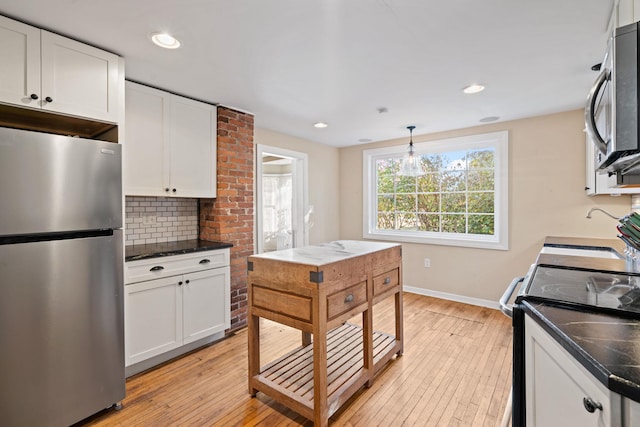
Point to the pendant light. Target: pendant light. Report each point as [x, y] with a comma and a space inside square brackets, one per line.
[410, 164]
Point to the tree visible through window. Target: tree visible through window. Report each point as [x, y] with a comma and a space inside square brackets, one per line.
[455, 195]
[461, 195]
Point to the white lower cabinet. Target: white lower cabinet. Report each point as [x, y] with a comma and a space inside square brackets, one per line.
[560, 391]
[166, 314]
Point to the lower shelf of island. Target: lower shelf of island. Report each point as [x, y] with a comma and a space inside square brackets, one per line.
[289, 379]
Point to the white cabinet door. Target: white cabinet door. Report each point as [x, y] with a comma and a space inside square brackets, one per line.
[170, 146]
[556, 386]
[153, 318]
[206, 298]
[20, 64]
[78, 79]
[193, 148]
[146, 152]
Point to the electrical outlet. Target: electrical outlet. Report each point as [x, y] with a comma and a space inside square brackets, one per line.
[427, 263]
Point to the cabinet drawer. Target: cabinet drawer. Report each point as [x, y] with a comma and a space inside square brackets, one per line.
[386, 281]
[155, 268]
[346, 299]
[290, 305]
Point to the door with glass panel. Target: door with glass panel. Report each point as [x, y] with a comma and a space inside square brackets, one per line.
[281, 199]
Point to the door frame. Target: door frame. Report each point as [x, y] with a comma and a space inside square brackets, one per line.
[300, 179]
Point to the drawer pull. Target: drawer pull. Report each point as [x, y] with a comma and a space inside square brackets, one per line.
[387, 280]
[590, 405]
[156, 268]
[348, 299]
[205, 261]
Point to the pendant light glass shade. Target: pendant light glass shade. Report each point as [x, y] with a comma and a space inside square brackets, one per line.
[410, 164]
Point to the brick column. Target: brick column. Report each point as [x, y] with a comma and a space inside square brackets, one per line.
[229, 217]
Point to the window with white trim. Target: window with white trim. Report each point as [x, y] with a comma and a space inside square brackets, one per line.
[460, 200]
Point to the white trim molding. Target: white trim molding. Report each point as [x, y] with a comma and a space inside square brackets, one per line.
[452, 297]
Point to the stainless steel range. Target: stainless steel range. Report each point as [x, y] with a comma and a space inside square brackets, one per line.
[573, 288]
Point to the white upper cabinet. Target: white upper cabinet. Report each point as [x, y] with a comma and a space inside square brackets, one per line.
[20, 65]
[170, 144]
[146, 138]
[42, 70]
[193, 147]
[625, 12]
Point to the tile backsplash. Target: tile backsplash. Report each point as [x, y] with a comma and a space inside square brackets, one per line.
[160, 219]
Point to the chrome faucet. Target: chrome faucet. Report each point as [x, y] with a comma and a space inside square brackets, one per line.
[603, 211]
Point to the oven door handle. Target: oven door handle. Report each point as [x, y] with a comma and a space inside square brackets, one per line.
[504, 307]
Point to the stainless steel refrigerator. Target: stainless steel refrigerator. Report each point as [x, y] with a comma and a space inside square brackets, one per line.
[61, 278]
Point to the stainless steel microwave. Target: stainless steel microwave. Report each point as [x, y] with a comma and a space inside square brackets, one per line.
[611, 114]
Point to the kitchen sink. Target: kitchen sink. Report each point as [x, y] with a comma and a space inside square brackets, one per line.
[594, 252]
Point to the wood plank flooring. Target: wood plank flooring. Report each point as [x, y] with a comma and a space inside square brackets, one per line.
[455, 371]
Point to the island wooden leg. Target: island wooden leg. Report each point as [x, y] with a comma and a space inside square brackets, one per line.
[399, 325]
[320, 395]
[367, 341]
[306, 339]
[253, 325]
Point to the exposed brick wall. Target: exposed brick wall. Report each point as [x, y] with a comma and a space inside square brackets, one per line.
[229, 217]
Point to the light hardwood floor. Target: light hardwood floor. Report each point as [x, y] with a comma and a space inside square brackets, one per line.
[455, 371]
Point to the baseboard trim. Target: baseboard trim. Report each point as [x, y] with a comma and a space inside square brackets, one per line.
[453, 297]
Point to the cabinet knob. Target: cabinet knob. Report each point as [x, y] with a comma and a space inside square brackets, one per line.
[590, 405]
[34, 96]
[166, 189]
[156, 268]
[187, 282]
[387, 280]
[174, 190]
[587, 188]
[48, 99]
[348, 298]
[180, 283]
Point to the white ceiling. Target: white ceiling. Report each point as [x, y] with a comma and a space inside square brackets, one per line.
[294, 62]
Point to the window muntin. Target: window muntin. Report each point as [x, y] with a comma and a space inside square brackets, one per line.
[460, 200]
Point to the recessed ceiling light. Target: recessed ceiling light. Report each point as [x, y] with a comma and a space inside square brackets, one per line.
[489, 119]
[165, 40]
[320, 125]
[474, 88]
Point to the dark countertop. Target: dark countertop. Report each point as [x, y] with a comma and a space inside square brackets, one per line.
[607, 345]
[154, 250]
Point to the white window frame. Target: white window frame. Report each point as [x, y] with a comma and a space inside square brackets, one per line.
[499, 240]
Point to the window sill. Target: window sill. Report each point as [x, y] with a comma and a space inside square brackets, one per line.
[444, 239]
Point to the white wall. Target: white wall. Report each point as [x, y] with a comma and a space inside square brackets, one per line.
[546, 192]
[324, 185]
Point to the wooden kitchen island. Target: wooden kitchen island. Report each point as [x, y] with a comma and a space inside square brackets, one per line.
[316, 289]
